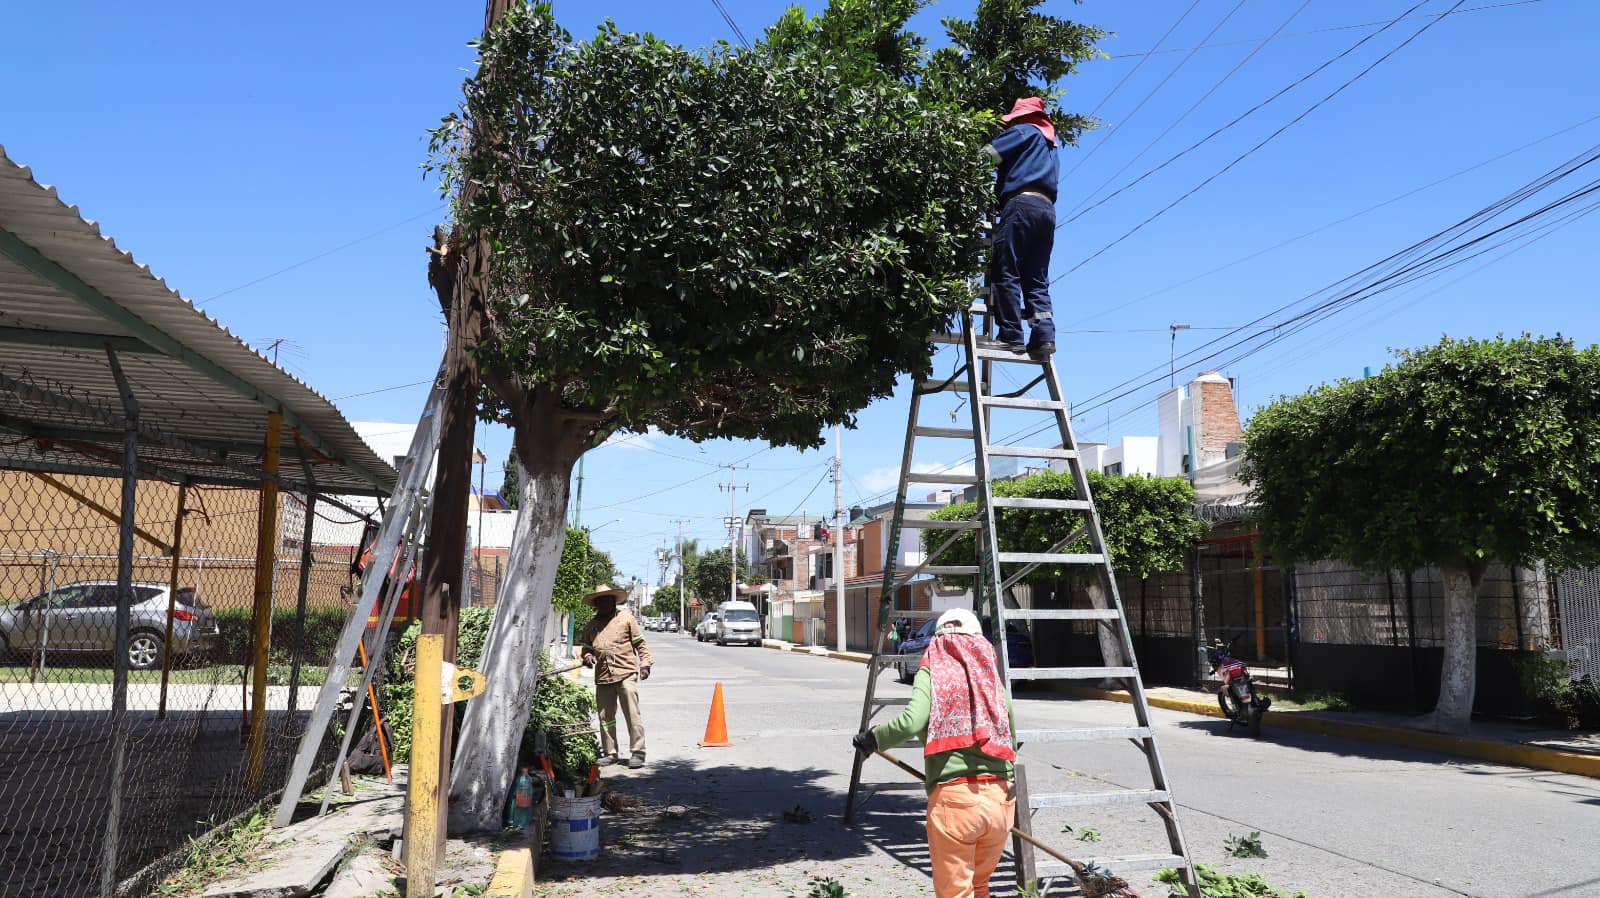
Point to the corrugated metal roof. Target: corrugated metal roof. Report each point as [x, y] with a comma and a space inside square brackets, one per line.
[65, 290]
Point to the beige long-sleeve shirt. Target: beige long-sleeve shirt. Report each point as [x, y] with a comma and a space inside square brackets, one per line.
[617, 644]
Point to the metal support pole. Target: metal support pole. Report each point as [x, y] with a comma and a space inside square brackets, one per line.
[422, 804]
[1021, 849]
[172, 594]
[1411, 639]
[838, 534]
[307, 533]
[1197, 611]
[266, 567]
[119, 676]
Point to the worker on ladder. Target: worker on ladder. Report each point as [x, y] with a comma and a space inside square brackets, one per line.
[1020, 267]
[960, 710]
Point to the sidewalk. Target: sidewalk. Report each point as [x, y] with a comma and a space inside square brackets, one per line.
[1502, 741]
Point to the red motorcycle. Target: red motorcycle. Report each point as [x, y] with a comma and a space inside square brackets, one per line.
[1241, 703]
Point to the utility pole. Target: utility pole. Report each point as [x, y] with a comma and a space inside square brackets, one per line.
[1172, 358]
[838, 531]
[457, 271]
[683, 576]
[733, 521]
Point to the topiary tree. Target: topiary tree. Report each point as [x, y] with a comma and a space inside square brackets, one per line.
[1148, 522]
[730, 242]
[1461, 453]
[511, 481]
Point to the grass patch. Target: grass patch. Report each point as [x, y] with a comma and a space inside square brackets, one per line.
[210, 859]
[1317, 700]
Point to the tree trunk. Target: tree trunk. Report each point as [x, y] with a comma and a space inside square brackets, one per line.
[1110, 640]
[491, 733]
[1458, 678]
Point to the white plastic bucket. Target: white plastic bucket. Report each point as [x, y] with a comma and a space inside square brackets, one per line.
[575, 828]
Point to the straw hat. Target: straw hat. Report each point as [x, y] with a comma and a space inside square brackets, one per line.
[606, 589]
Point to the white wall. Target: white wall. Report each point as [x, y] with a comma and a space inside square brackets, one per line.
[1172, 416]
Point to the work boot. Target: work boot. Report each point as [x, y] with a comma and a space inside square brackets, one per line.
[1042, 350]
[1016, 346]
[605, 760]
[637, 761]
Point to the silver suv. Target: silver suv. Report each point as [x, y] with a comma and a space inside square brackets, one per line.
[81, 618]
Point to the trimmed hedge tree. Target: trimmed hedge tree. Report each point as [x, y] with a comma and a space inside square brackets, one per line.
[1461, 453]
[1148, 522]
[729, 242]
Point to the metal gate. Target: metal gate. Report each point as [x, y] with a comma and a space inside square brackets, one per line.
[1578, 600]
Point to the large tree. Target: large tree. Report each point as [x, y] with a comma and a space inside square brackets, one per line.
[1148, 522]
[727, 242]
[1462, 453]
[711, 578]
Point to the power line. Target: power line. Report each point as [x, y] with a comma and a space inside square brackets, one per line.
[1247, 153]
[322, 255]
[1352, 216]
[1235, 43]
[1157, 89]
[726, 17]
[1118, 86]
[1242, 116]
[1195, 105]
[380, 390]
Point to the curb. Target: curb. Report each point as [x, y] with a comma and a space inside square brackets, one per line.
[515, 871]
[857, 657]
[1478, 749]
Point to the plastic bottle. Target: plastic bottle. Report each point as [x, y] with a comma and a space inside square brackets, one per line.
[519, 811]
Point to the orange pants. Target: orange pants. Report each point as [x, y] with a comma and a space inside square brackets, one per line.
[967, 828]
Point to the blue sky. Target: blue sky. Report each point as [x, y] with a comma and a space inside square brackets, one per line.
[265, 161]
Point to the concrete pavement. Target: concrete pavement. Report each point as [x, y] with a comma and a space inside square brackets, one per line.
[1339, 817]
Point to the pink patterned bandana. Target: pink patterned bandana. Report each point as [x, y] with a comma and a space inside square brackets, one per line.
[969, 707]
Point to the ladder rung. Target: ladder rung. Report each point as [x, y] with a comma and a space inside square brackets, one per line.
[960, 479]
[1094, 799]
[941, 525]
[890, 702]
[894, 659]
[1051, 558]
[1084, 734]
[953, 433]
[1043, 405]
[1071, 673]
[978, 309]
[946, 339]
[1032, 452]
[1006, 355]
[944, 386]
[1117, 865]
[950, 570]
[1056, 504]
[1062, 614]
[907, 614]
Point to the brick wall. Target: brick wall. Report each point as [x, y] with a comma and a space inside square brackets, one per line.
[1219, 419]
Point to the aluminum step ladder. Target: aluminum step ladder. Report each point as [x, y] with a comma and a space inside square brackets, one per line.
[993, 572]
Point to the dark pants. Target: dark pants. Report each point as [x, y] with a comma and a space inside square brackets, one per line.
[1021, 273]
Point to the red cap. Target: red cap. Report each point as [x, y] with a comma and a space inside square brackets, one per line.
[1024, 106]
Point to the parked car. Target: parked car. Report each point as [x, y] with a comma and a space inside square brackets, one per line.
[1019, 647]
[80, 619]
[738, 622]
[672, 625]
[707, 628]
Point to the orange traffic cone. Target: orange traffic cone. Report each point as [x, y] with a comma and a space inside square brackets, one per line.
[716, 724]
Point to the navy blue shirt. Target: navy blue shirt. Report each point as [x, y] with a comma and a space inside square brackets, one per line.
[1027, 161]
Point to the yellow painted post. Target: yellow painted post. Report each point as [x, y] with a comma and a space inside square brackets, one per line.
[172, 595]
[422, 805]
[266, 566]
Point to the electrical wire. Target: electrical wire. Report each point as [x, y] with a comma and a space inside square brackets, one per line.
[1253, 150]
[1118, 86]
[1155, 90]
[734, 26]
[1246, 114]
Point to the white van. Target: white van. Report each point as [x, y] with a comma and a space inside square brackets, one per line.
[738, 622]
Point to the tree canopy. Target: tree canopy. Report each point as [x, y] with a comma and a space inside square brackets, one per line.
[1149, 522]
[732, 242]
[1464, 452]
[511, 480]
[710, 576]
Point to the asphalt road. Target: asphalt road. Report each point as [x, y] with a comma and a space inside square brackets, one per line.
[1339, 818]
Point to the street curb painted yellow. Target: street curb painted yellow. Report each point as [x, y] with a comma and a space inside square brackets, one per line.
[1480, 749]
[517, 868]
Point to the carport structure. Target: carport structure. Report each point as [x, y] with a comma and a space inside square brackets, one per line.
[106, 372]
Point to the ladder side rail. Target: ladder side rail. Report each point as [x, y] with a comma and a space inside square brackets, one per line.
[987, 580]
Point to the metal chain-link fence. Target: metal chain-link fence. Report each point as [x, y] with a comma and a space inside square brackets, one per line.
[73, 819]
[1578, 597]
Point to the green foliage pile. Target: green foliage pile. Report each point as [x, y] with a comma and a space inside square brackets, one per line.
[1149, 522]
[1216, 884]
[564, 708]
[322, 634]
[1244, 846]
[214, 855]
[399, 688]
[1559, 700]
[733, 242]
[1460, 453]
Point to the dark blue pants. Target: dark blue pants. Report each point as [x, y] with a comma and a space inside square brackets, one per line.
[1021, 268]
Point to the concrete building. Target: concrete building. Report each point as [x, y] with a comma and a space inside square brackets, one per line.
[1198, 426]
[1132, 455]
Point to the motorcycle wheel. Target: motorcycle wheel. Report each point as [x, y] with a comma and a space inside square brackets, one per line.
[1230, 709]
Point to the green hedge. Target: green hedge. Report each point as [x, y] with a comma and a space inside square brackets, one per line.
[322, 634]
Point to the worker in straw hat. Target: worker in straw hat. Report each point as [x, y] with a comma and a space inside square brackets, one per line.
[1020, 265]
[613, 644]
[960, 710]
